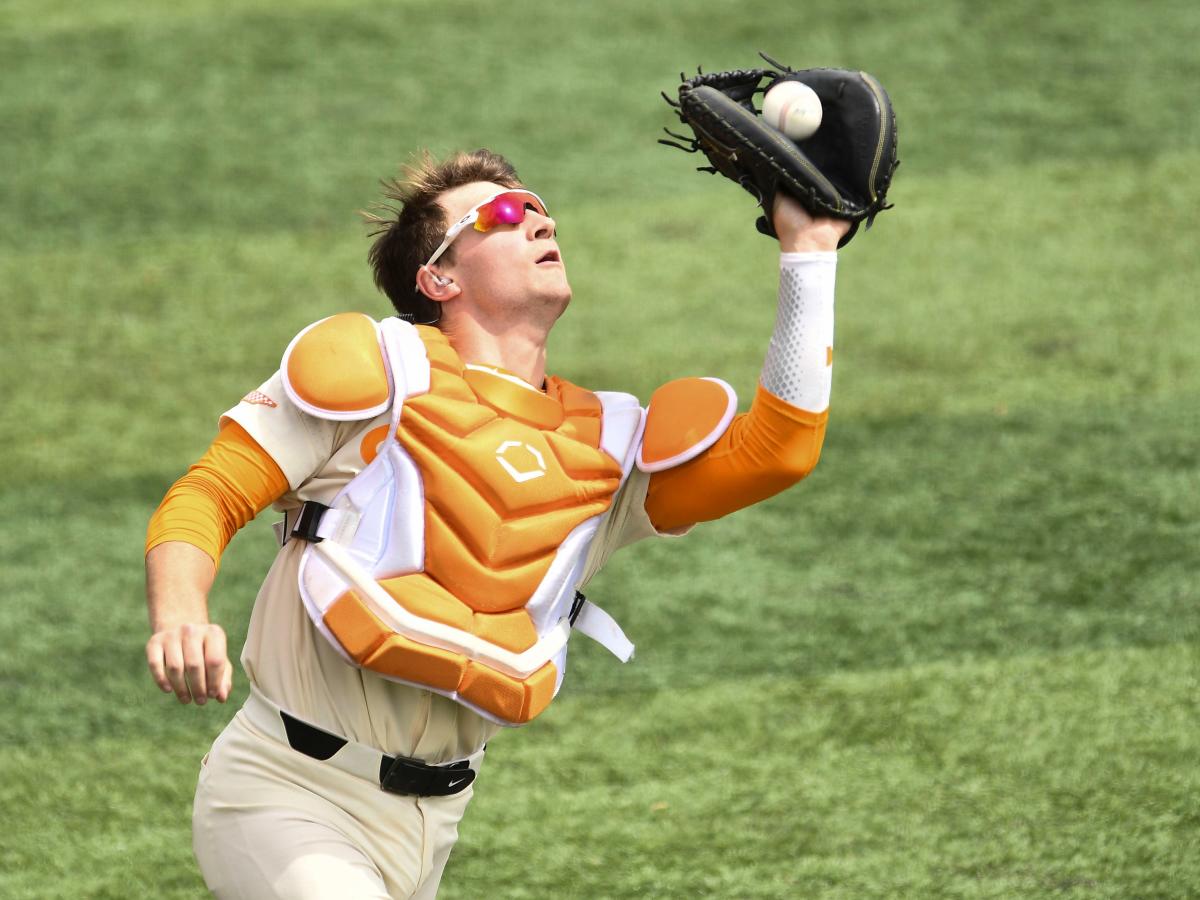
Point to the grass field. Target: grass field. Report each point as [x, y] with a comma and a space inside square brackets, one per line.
[961, 660]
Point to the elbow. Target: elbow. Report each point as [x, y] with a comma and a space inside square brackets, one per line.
[796, 460]
[784, 471]
[785, 440]
[795, 469]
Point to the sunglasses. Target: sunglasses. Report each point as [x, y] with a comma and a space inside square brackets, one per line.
[506, 208]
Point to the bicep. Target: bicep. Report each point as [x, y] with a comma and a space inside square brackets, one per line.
[761, 453]
[228, 486]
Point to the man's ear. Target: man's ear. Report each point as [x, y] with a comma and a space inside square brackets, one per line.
[437, 287]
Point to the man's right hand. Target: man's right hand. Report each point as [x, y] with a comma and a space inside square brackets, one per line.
[191, 660]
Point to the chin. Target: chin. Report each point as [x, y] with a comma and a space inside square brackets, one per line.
[557, 297]
[555, 306]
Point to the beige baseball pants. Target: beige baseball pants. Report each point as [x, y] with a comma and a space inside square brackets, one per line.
[269, 821]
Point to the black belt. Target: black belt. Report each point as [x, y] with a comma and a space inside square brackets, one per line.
[397, 774]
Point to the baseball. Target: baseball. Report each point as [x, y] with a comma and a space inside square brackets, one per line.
[793, 108]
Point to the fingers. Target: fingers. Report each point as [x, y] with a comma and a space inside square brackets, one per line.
[172, 649]
[225, 685]
[194, 672]
[215, 663]
[155, 658]
[192, 662]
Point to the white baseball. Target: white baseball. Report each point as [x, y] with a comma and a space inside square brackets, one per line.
[793, 108]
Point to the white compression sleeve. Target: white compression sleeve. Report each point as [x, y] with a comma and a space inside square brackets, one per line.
[799, 364]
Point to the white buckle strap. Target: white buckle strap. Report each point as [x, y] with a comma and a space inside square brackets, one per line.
[604, 630]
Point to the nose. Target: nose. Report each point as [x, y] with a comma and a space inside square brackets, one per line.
[543, 226]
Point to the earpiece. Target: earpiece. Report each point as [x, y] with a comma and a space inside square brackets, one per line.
[443, 281]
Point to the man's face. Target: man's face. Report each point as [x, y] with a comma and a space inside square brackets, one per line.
[511, 271]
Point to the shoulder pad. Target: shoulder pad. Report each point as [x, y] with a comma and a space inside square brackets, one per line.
[685, 418]
[335, 369]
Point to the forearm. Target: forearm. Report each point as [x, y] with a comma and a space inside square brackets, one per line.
[178, 579]
[228, 486]
[798, 368]
[186, 654]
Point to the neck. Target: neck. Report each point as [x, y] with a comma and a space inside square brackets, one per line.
[520, 350]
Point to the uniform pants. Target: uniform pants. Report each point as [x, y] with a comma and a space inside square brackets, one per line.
[269, 821]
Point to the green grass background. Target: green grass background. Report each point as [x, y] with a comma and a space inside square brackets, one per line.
[959, 661]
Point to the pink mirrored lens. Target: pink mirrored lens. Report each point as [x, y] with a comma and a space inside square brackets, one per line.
[507, 209]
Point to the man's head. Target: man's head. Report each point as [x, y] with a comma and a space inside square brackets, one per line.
[500, 267]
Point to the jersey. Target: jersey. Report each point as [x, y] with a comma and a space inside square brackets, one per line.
[452, 560]
[285, 655]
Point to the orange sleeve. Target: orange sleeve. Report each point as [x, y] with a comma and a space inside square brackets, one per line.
[762, 452]
[228, 486]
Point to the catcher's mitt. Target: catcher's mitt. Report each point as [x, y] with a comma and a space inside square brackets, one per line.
[842, 171]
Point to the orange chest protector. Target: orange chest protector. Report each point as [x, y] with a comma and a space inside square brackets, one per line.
[452, 560]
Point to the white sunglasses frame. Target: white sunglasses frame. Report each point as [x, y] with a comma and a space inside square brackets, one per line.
[473, 216]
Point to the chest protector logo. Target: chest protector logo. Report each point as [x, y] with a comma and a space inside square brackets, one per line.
[452, 560]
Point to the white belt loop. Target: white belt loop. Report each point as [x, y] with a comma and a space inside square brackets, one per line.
[283, 528]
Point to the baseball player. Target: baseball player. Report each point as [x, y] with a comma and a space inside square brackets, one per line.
[445, 502]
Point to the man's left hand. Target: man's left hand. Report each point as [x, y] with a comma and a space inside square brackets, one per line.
[801, 232]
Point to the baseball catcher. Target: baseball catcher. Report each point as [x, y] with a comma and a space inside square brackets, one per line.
[445, 502]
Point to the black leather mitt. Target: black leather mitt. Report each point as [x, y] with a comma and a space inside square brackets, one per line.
[843, 170]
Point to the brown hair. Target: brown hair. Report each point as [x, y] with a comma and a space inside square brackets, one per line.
[406, 236]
